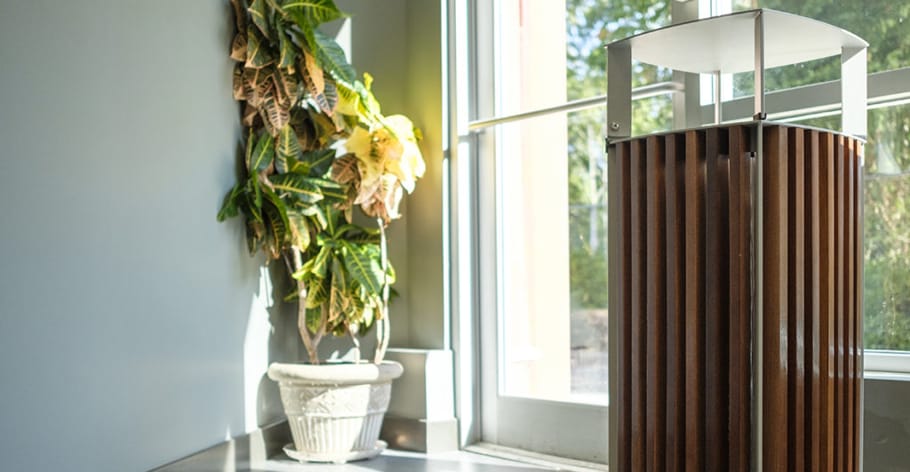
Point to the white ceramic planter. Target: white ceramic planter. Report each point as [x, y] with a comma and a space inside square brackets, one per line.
[335, 411]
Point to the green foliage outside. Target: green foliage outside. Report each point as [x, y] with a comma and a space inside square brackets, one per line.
[883, 23]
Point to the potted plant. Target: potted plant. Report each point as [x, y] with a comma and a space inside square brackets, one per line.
[317, 148]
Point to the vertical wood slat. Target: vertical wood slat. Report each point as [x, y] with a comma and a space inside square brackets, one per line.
[814, 406]
[849, 293]
[655, 307]
[676, 343]
[716, 297]
[740, 284]
[827, 291]
[624, 348]
[638, 324]
[796, 297]
[839, 397]
[774, 318]
[695, 300]
[858, 304]
[686, 300]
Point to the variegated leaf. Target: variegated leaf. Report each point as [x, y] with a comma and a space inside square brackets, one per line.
[298, 186]
[286, 148]
[362, 266]
[239, 14]
[239, 93]
[345, 171]
[311, 13]
[319, 161]
[262, 156]
[287, 51]
[258, 54]
[274, 113]
[300, 231]
[238, 47]
[260, 15]
[317, 292]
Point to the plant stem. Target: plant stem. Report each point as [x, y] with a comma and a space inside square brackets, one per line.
[382, 329]
[356, 342]
[308, 343]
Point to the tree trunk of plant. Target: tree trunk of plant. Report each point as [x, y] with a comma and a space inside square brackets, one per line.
[308, 343]
[382, 328]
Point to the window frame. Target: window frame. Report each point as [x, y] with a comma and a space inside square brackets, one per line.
[472, 204]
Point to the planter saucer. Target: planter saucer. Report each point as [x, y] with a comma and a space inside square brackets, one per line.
[335, 458]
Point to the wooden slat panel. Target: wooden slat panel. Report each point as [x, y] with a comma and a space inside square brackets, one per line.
[858, 304]
[849, 294]
[686, 291]
[813, 297]
[716, 297]
[839, 314]
[695, 301]
[740, 284]
[796, 298]
[656, 320]
[827, 308]
[774, 349]
[637, 319]
[624, 347]
[676, 366]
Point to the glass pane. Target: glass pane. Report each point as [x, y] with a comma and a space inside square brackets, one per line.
[886, 232]
[886, 301]
[884, 24]
[590, 24]
[530, 55]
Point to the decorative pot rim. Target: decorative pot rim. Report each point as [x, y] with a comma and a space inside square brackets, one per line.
[335, 373]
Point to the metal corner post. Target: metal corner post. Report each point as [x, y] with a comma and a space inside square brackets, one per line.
[619, 90]
[853, 91]
[758, 305]
[760, 113]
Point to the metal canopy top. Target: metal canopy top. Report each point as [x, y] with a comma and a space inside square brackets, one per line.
[724, 43]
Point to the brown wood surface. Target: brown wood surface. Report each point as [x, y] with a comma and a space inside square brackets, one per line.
[655, 311]
[686, 297]
[774, 318]
[695, 300]
[796, 297]
[624, 348]
[675, 407]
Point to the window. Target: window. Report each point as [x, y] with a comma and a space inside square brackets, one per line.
[538, 133]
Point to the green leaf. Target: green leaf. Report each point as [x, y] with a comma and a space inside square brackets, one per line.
[321, 262]
[312, 13]
[259, 12]
[319, 161]
[333, 191]
[258, 53]
[300, 231]
[287, 148]
[331, 57]
[363, 266]
[297, 185]
[287, 56]
[317, 292]
[315, 213]
[229, 208]
[263, 155]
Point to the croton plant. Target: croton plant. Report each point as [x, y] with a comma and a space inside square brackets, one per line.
[317, 148]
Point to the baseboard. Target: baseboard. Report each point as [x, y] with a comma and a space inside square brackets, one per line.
[241, 453]
[420, 435]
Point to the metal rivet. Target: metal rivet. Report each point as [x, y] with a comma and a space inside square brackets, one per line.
[614, 126]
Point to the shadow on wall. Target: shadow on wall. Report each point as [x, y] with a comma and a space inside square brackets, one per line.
[886, 425]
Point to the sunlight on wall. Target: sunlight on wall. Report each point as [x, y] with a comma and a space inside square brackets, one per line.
[256, 349]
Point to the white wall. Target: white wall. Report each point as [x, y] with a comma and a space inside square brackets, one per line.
[124, 305]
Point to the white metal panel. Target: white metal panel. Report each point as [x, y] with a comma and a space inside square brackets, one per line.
[725, 43]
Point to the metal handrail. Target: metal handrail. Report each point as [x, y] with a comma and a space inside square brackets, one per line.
[646, 91]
